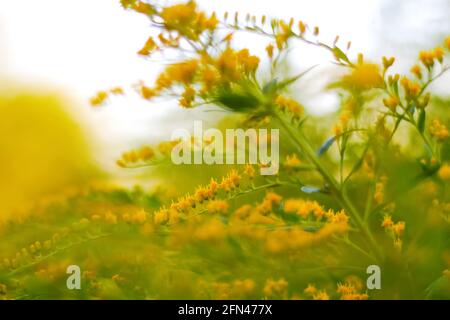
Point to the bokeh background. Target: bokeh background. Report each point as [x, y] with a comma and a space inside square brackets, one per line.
[54, 55]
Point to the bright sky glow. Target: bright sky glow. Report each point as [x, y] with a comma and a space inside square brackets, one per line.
[82, 46]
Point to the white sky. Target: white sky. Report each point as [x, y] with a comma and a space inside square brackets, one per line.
[82, 46]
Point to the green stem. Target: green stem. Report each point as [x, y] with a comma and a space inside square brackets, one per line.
[303, 146]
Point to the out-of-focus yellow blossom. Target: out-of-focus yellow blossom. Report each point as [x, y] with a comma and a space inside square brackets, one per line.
[321, 295]
[387, 222]
[411, 88]
[438, 130]
[289, 105]
[310, 290]
[380, 186]
[447, 43]
[249, 171]
[417, 71]
[269, 50]
[217, 206]
[304, 208]
[149, 47]
[444, 172]
[391, 102]
[185, 19]
[213, 230]
[364, 76]
[276, 288]
[292, 161]
[270, 200]
[187, 97]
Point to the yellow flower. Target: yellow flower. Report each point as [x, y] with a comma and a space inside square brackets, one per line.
[364, 76]
[387, 222]
[249, 171]
[139, 217]
[147, 93]
[379, 190]
[99, 98]
[438, 130]
[289, 105]
[276, 288]
[444, 172]
[301, 27]
[438, 53]
[355, 296]
[110, 217]
[391, 102]
[415, 69]
[248, 62]
[269, 50]
[427, 58]
[310, 290]
[292, 161]
[228, 66]
[273, 198]
[213, 230]
[305, 207]
[447, 43]
[148, 48]
[321, 295]
[218, 206]
[210, 77]
[399, 228]
[187, 97]
[3, 289]
[161, 216]
[179, 16]
[182, 72]
[243, 212]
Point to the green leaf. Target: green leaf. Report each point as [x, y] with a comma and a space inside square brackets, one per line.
[340, 55]
[237, 101]
[421, 120]
[291, 80]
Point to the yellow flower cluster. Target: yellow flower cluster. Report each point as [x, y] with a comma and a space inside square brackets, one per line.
[292, 162]
[209, 72]
[149, 47]
[134, 156]
[289, 105]
[203, 193]
[312, 292]
[444, 172]
[438, 130]
[182, 73]
[295, 238]
[396, 229]
[411, 88]
[391, 102]
[217, 206]
[428, 57]
[187, 20]
[101, 96]
[379, 193]
[276, 289]
[237, 289]
[304, 208]
[146, 154]
[364, 76]
[270, 200]
[349, 291]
